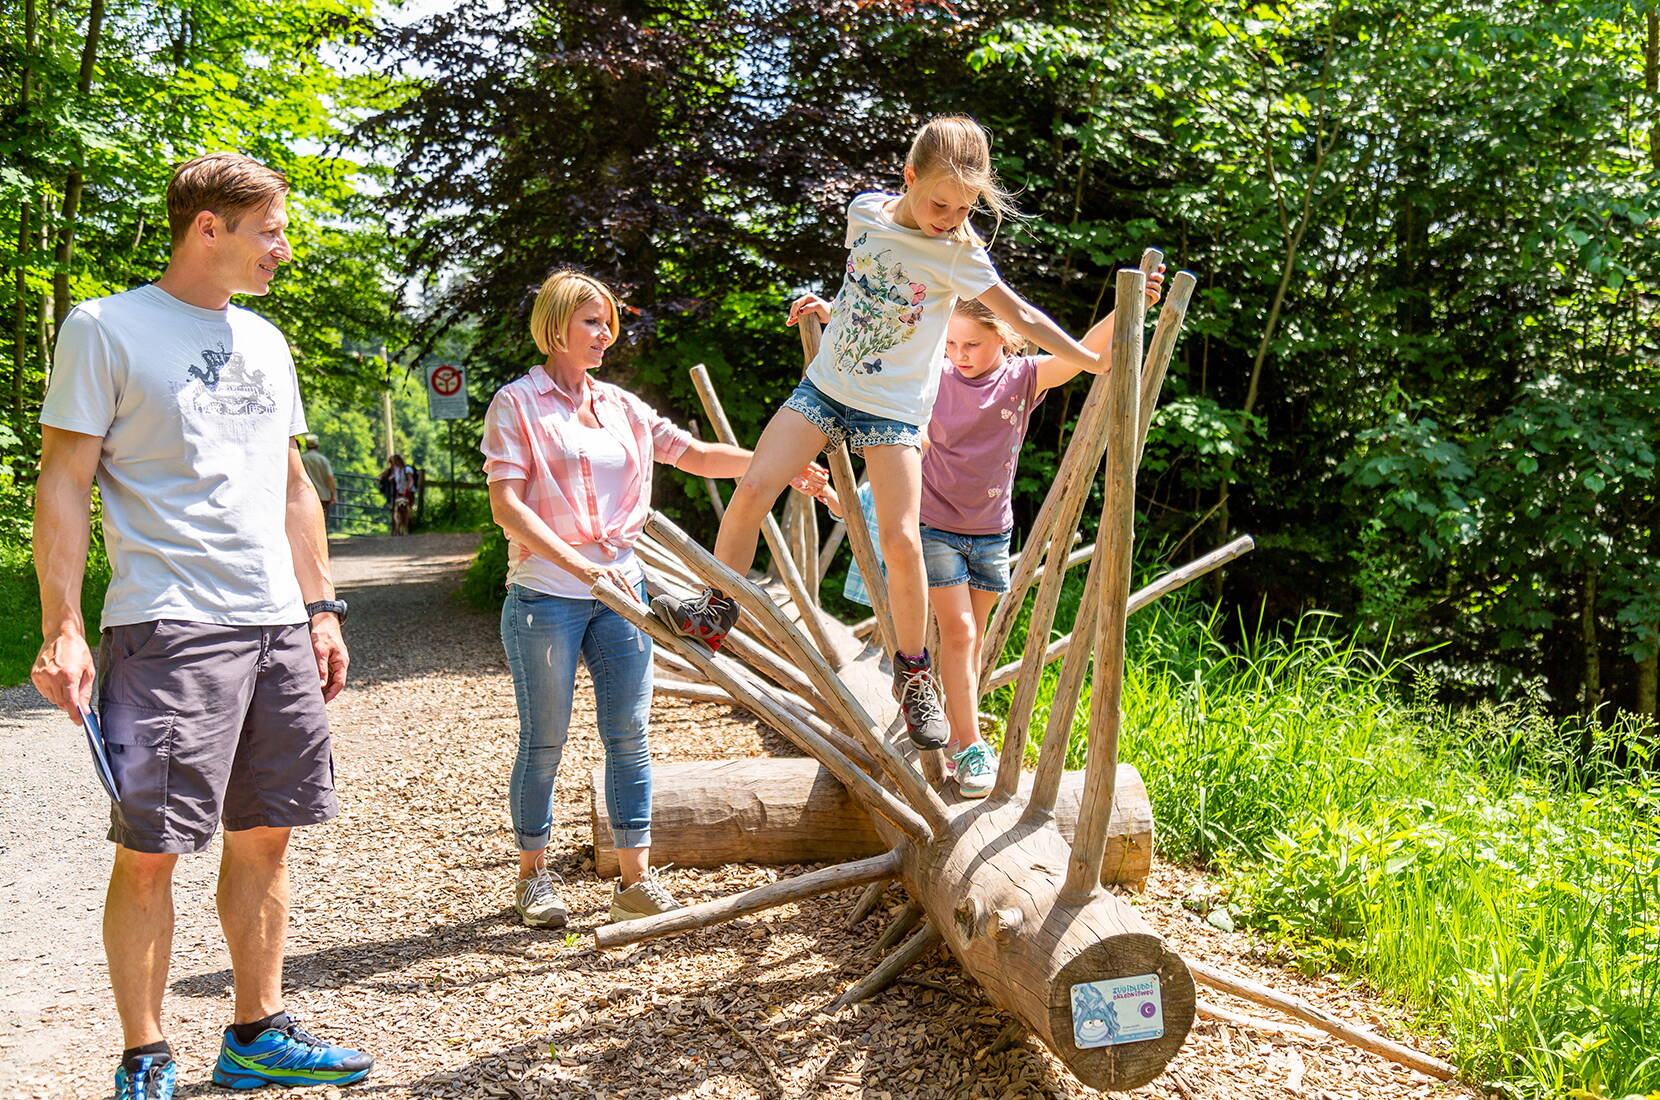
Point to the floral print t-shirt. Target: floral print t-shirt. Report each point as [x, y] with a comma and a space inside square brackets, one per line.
[882, 350]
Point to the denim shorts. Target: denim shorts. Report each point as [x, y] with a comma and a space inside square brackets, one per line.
[841, 423]
[980, 560]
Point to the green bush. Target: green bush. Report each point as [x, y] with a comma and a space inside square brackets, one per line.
[485, 585]
[20, 603]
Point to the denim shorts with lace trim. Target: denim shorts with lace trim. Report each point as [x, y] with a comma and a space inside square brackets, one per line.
[841, 422]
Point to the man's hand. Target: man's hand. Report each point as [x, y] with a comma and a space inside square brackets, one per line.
[63, 673]
[330, 649]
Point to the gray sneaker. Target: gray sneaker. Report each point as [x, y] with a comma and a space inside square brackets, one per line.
[709, 617]
[913, 688]
[538, 903]
[645, 898]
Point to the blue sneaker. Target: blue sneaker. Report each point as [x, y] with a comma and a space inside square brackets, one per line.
[151, 1080]
[974, 770]
[286, 1055]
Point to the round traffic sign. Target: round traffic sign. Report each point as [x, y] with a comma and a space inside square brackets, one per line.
[446, 381]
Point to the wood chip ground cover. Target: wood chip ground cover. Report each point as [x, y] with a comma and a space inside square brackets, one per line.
[404, 943]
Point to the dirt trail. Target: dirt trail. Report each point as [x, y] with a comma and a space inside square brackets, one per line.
[403, 941]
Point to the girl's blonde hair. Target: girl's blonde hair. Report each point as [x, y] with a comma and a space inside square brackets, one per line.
[959, 147]
[562, 294]
[977, 312]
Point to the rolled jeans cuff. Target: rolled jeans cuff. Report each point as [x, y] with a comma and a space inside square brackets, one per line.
[529, 843]
[630, 838]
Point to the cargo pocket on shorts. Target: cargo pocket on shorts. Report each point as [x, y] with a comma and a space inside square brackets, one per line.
[139, 741]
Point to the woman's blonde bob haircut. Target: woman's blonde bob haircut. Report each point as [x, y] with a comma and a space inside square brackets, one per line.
[975, 311]
[958, 147]
[564, 292]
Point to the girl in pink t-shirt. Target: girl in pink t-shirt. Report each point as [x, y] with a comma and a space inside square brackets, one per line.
[986, 395]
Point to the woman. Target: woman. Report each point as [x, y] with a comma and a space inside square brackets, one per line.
[569, 463]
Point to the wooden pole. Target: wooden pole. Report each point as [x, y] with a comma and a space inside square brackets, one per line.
[1168, 583]
[903, 921]
[709, 482]
[1320, 1018]
[747, 691]
[780, 547]
[1165, 331]
[864, 547]
[866, 905]
[926, 939]
[813, 883]
[1082, 458]
[1116, 539]
[856, 719]
[1069, 687]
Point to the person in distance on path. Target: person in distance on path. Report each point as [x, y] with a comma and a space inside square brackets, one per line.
[221, 634]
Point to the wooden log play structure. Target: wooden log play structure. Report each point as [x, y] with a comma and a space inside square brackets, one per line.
[1011, 885]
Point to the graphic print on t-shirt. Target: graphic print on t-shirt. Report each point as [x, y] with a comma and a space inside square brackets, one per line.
[226, 387]
[880, 305]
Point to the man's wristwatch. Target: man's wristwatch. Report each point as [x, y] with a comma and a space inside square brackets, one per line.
[319, 606]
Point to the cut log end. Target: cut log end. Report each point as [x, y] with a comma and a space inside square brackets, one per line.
[1110, 967]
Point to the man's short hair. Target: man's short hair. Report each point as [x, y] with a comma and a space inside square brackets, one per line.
[229, 184]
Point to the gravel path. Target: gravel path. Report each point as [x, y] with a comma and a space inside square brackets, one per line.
[403, 941]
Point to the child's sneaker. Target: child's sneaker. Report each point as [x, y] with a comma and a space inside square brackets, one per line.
[709, 618]
[913, 687]
[645, 898]
[283, 1054]
[147, 1078]
[974, 770]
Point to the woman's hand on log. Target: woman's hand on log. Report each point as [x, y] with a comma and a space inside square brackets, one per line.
[596, 574]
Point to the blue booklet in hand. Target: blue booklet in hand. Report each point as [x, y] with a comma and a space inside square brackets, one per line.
[100, 755]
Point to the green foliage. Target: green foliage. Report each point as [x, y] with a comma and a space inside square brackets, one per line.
[1460, 858]
[485, 585]
[20, 602]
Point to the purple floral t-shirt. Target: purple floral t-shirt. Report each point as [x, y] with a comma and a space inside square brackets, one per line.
[974, 446]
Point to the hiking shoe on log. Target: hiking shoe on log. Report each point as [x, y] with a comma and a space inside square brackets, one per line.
[645, 898]
[709, 617]
[913, 687]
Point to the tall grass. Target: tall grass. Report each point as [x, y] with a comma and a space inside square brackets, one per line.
[1497, 870]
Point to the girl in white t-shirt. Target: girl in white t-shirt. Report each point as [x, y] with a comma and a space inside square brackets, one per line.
[911, 256]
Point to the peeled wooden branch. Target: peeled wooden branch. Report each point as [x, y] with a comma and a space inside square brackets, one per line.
[1296, 1007]
[877, 799]
[866, 905]
[813, 883]
[926, 939]
[1115, 538]
[855, 718]
[1158, 354]
[902, 922]
[786, 809]
[1208, 1011]
[769, 526]
[1081, 460]
[864, 547]
[1168, 583]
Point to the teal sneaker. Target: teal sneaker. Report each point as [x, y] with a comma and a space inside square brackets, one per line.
[974, 770]
[150, 1079]
[286, 1055]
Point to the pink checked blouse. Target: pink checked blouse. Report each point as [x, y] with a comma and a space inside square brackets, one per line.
[524, 438]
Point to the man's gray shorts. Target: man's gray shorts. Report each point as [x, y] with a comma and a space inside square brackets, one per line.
[205, 722]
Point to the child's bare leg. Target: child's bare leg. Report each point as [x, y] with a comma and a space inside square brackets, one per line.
[962, 613]
[789, 442]
[896, 483]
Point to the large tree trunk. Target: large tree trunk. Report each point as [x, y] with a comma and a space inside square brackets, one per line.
[785, 809]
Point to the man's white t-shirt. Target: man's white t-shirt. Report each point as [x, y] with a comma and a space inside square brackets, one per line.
[197, 409]
[881, 351]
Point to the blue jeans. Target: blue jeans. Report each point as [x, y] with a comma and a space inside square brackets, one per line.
[544, 636]
[980, 561]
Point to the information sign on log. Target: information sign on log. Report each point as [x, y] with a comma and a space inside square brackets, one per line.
[446, 392]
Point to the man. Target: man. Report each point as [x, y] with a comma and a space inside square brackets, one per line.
[221, 633]
[321, 473]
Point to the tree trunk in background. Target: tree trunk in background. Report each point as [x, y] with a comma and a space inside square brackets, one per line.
[76, 180]
[1592, 676]
[20, 306]
[1651, 83]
